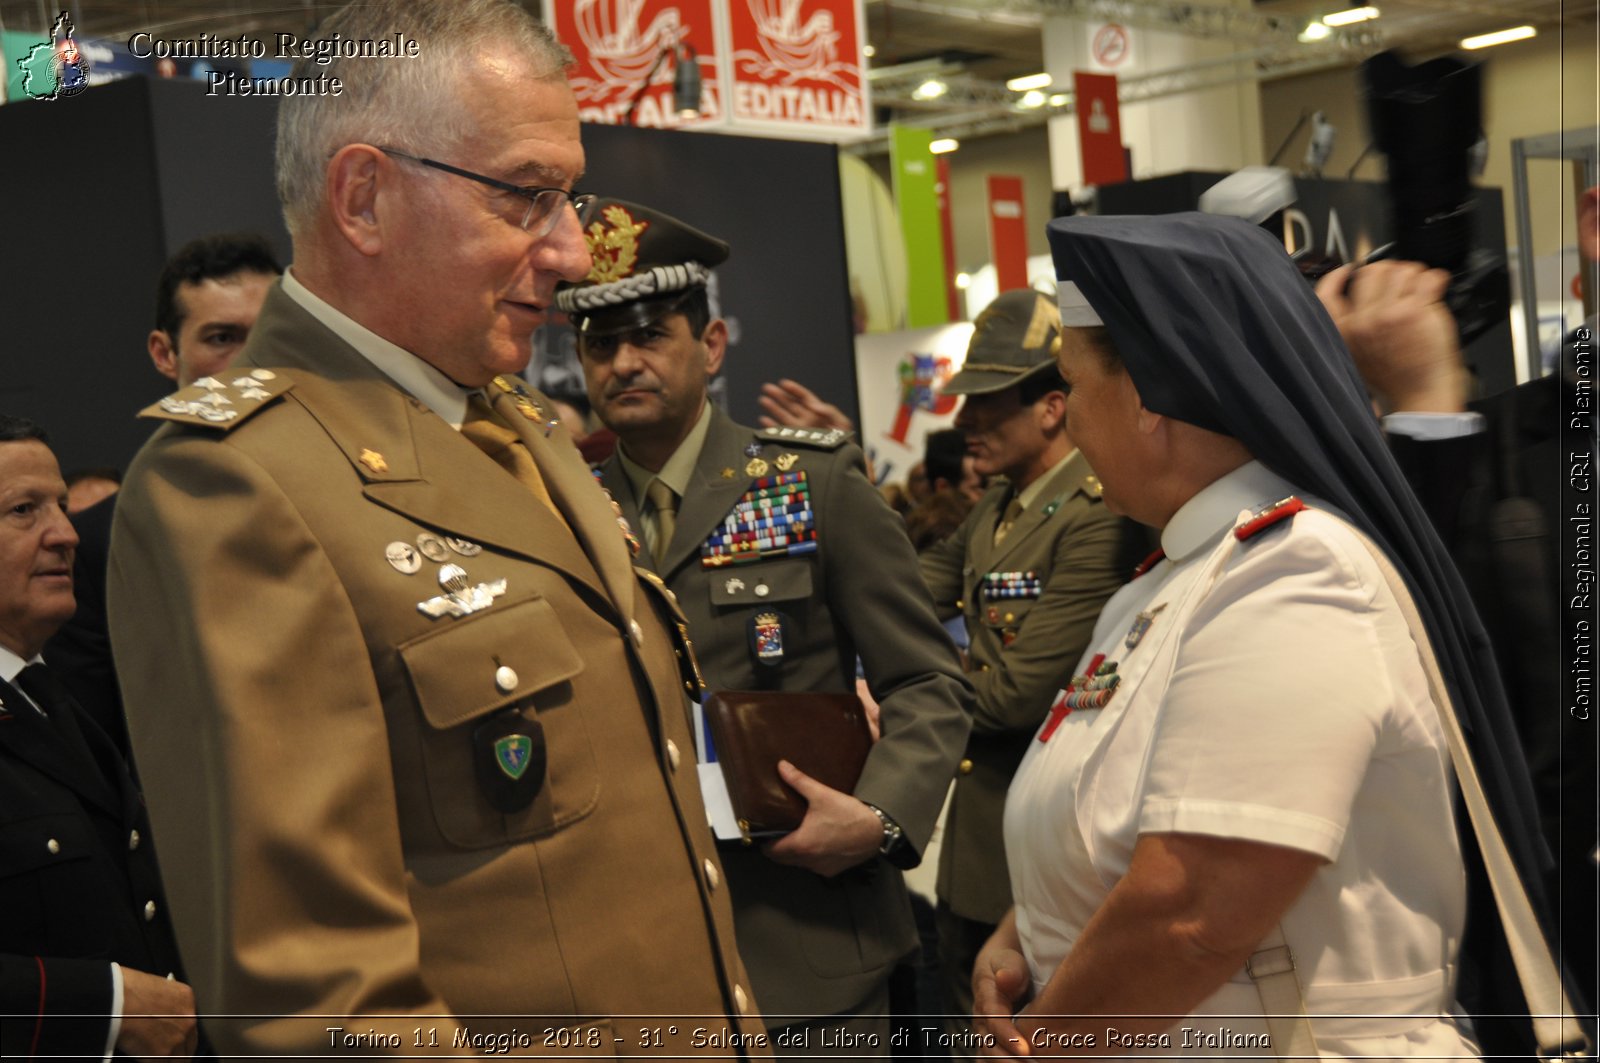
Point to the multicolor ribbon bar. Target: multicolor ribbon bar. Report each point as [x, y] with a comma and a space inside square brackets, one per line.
[747, 556]
[773, 518]
[1091, 690]
[998, 585]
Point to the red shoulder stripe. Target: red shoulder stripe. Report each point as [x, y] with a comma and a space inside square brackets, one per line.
[1149, 563]
[1268, 517]
[38, 1020]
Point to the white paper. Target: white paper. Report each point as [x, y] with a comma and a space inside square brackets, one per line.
[719, 809]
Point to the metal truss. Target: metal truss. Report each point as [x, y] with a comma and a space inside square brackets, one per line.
[1192, 19]
[972, 107]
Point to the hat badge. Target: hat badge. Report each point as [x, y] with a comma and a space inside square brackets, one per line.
[614, 244]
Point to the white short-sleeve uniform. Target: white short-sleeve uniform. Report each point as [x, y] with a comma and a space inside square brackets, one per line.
[1276, 696]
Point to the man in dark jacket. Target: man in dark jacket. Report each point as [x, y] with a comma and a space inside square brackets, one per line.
[88, 961]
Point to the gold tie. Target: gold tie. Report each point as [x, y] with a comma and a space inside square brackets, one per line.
[1007, 521]
[665, 501]
[490, 435]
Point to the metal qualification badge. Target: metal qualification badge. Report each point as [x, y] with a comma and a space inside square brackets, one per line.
[460, 596]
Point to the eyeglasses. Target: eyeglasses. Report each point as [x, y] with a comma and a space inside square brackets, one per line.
[544, 204]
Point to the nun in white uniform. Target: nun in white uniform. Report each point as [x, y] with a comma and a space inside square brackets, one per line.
[1242, 806]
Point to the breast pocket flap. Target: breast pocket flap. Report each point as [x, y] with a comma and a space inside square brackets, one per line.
[480, 663]
[757, 585]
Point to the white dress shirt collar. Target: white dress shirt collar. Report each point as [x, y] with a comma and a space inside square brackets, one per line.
[11, 665]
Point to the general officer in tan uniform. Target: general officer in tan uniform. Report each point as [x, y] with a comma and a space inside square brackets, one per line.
[1028, 570]
[414, 726]
[821, 578]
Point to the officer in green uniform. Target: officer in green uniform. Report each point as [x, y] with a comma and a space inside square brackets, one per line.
[789, 566]
[1029, 570]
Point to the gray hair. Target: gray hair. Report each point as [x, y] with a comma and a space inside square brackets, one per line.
[413, 104]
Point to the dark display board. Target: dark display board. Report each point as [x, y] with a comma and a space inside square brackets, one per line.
[99, 188]
[1348, 215]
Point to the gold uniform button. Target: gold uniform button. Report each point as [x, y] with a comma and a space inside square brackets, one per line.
[960, 604]
[133, 840]
[712, 876]
[505, 679]
[149, 910]
[741, 1001]
[966, 766]
[672, 754]
[53, 846]
[1010, 617]
[983, 668]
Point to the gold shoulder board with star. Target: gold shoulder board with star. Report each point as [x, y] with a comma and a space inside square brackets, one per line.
[819, 438]
[531, 404]
[222, 402]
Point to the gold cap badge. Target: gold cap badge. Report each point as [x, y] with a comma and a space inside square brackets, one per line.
[615, 249]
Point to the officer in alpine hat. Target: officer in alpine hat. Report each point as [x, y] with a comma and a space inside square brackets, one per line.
[789, 566]
[1029, 570]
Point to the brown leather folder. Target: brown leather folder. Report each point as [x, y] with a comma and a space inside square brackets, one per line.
[824, 735]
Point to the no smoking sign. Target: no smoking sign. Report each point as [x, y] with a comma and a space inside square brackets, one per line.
[1109, 46]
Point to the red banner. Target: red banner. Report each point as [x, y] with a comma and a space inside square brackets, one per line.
[796, 65]
[1008, 232]
[1099, 128]
[947, 236]
[617, 42]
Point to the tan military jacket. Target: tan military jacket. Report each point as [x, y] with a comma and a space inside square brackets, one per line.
[307, 714]
[819, 946]
[1030, 606]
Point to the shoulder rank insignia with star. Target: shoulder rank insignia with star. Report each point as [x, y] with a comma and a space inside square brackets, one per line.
[1268, 516]
[221, 402]
[821, 438]
[532, 405]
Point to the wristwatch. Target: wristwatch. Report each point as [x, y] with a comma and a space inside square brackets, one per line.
[894, 847]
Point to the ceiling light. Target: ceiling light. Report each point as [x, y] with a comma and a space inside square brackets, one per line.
[1035, 98]
[940, 147]
[1032, 81]
[1059, 99]
[1520, 33]
[931, 89]
[1350, 17]
[963, 281]
[869, 51]
[1315, 31]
